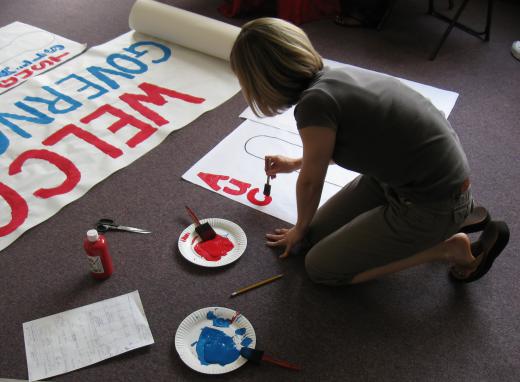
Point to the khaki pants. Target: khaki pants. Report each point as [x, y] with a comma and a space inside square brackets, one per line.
[367, 225]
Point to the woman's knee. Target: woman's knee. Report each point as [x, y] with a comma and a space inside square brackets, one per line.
[320, 273]
[313, 272]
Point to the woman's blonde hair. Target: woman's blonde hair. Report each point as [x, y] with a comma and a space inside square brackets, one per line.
[274, 62]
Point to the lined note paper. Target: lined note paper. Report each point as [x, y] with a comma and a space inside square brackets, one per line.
[82, 336]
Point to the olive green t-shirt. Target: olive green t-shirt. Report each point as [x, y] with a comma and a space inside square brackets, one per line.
[386, 130]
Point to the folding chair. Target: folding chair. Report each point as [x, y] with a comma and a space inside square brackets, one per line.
[453, 22]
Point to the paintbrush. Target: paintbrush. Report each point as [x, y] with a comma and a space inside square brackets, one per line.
[235, 316]
[255, 355]
[205, 231]
[267, 187]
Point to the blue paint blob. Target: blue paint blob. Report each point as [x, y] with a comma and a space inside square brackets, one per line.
[240, 331]
[246, 342]
[219, 322]
[214, 346]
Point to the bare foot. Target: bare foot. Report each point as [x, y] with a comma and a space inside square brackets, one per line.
[459, 255]
[486, 249]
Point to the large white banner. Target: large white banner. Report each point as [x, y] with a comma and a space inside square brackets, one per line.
[66, 130]
[235, 167]
[26, 51]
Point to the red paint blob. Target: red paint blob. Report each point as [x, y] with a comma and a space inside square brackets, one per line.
[214, 249]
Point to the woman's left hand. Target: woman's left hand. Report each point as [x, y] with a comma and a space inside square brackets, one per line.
[284, 237]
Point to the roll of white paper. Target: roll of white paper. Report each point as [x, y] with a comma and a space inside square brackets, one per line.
[184, 28]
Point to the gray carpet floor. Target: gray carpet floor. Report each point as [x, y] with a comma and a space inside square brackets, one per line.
[412, 326]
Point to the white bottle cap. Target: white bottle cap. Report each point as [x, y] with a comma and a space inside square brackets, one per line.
[92, 235]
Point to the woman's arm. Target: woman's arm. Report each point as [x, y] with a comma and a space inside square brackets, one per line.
[318, 146]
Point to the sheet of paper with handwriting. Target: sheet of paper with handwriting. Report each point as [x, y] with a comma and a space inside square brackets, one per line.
[86, 335]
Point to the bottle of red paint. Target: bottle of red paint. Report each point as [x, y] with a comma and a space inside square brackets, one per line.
[98, 257]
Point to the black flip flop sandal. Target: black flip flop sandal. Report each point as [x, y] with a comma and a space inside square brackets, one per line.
[476, 221]
[492, 241]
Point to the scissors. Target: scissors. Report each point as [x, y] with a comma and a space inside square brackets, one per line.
[104, 225]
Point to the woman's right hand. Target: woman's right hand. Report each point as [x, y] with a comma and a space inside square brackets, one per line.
[275, 164]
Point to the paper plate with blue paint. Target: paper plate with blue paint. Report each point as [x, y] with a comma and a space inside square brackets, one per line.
[227, 247]
[208, 342]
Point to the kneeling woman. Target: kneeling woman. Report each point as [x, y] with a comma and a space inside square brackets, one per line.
[413, 195]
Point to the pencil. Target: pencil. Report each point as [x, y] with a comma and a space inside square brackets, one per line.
[256, 285]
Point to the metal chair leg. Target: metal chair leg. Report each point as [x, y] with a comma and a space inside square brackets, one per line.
[431, 10]
[430, 7]
[487, 31]
[389, 8]
[453, 22]
[448, 30]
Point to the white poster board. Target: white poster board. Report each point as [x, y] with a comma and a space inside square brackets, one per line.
[235, 167]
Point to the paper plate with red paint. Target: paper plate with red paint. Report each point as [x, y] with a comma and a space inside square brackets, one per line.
[226, 248]
[207, 341]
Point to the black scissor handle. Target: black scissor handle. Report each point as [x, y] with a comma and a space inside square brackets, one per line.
[103, 225]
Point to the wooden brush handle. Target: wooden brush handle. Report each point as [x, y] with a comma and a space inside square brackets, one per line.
[193, 217]
[287, 365]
